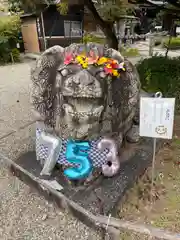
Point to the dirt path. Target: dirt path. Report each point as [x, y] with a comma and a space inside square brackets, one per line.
[24, 215]
[143, 47]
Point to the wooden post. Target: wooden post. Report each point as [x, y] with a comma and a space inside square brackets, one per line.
[121, 24]
[151, 45]
[43, 32]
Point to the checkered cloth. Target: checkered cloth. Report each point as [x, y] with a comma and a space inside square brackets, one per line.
[97, 157]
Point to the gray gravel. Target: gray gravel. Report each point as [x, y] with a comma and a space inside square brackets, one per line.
[24, 215]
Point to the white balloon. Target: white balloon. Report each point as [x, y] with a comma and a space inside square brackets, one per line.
[110, 170]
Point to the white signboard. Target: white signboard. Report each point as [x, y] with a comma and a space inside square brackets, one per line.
[157, 117]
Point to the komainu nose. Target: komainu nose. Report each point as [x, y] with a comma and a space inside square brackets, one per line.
[83, 78]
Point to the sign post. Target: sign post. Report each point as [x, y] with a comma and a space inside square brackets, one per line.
[156, 121]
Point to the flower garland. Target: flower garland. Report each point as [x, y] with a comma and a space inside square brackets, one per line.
[110, 66]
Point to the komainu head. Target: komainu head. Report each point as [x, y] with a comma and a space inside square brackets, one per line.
[84, 91]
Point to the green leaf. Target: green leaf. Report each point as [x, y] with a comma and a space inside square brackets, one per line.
[9, 30]
[112, 10]
[63, 7]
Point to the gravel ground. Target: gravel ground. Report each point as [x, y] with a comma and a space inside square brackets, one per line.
[24, 215]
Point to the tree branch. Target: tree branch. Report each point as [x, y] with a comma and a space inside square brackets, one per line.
[90, 5]
[106, 27]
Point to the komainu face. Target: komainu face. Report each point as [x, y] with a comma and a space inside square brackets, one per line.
[82, 101]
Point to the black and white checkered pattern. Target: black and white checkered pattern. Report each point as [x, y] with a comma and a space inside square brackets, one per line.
[97, 157]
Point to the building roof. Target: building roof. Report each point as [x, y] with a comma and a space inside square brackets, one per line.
[157, 3]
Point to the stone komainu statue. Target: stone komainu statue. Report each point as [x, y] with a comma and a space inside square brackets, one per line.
[85, 99]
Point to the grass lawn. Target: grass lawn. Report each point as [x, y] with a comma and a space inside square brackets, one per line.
[165, 210]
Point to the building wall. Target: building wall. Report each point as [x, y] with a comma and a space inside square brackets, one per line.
[30, 35]
[63, 42]
[61, 29]
[59, 25]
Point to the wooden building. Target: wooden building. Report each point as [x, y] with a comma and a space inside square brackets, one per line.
[147, 12]
[29, 33]
[61, 29]
[49, 28]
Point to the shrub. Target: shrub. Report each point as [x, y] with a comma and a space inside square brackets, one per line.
[174, 43]
[15, 55]
[161, 74]
[4, 50]
[9, 30]
[92, 38]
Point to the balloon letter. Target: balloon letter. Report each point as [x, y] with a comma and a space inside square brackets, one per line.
[54, 145]
[113, 161]
[76, 152]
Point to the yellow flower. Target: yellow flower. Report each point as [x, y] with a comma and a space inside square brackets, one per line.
[79, 59]
[102, 60]
[108, 66]
[115, 73]
[84, 64]
[82, 60]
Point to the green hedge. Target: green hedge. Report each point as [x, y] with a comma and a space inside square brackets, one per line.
[174, 43]
[9, 30]
[161, 74]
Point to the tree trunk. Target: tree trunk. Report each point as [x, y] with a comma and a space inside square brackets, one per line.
[170, 38]
[106, 27]
[112, 40]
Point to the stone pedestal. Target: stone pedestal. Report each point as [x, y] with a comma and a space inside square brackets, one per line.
[103, 193]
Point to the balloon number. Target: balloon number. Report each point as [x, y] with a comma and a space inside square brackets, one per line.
[54, 145]
[76, 153]
[113, 162]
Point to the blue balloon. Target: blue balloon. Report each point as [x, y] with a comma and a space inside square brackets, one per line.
[76, 153]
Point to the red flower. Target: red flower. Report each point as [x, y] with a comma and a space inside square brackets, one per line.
[108, 69]
[113, 64]
[68, 59]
